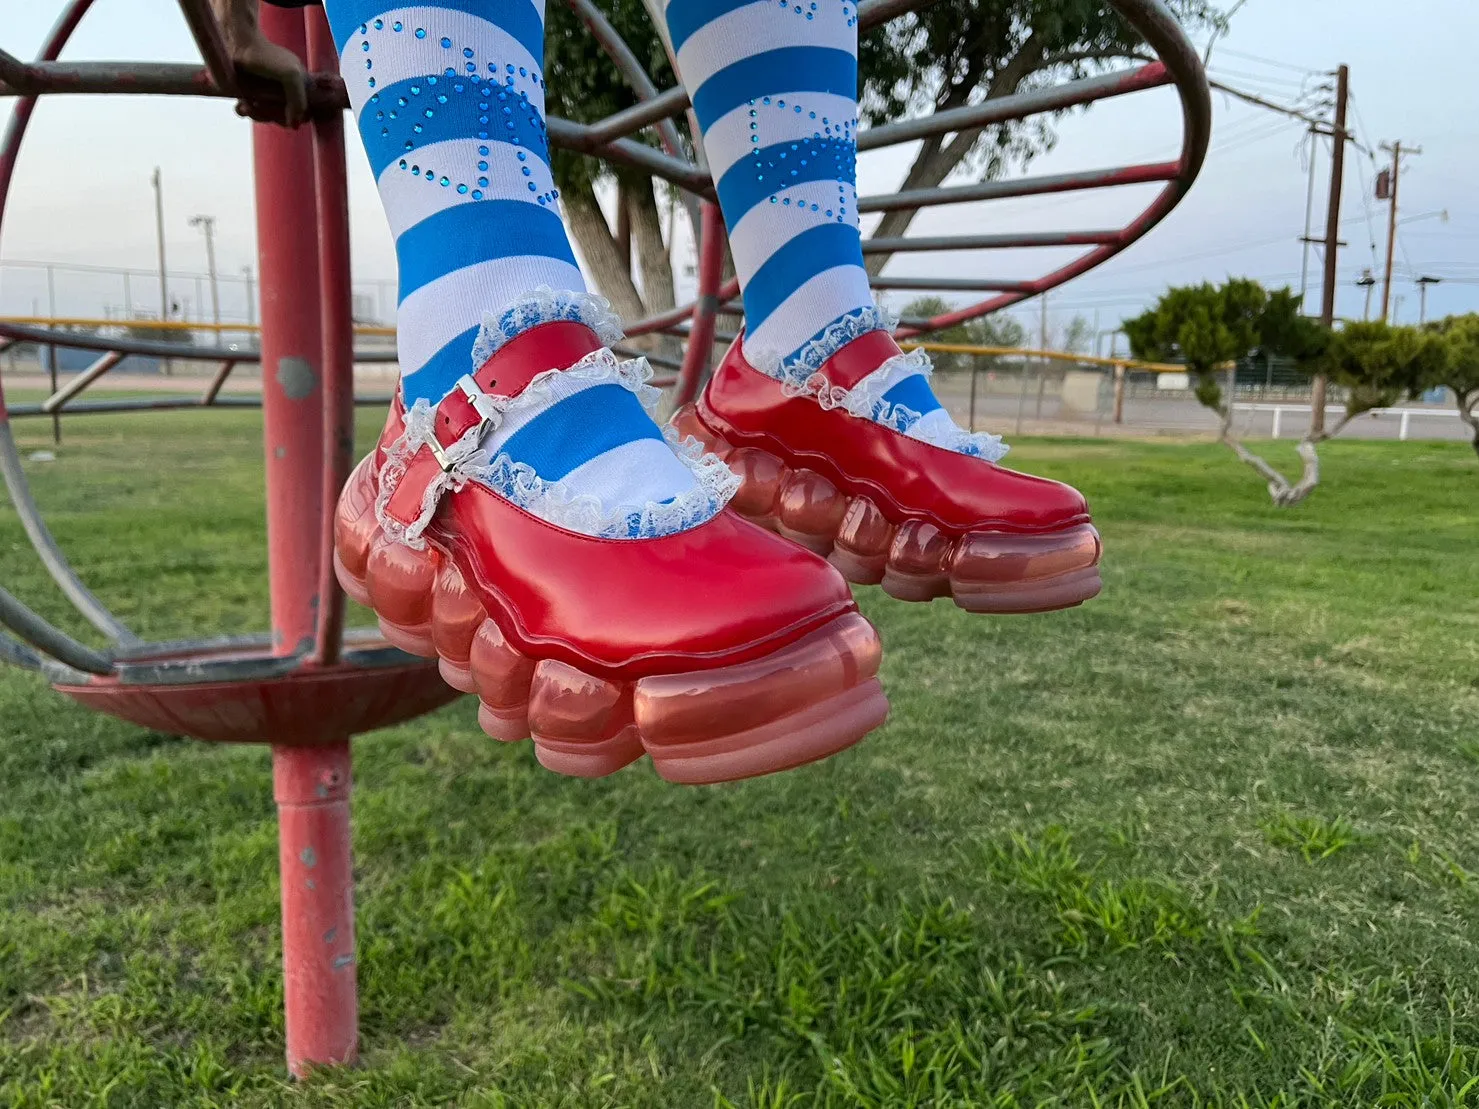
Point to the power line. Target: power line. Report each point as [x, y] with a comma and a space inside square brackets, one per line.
[1273, 62]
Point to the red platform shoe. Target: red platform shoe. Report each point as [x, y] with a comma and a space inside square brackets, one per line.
[721, 651]
[922, 520]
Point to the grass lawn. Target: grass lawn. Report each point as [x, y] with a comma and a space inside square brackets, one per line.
[1212, 839]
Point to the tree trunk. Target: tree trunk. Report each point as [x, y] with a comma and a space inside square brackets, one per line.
[600, 251]
[1468, 412]
[654, 261]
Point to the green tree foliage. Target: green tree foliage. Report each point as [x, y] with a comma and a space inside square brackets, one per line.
[1209, 327]
[1458, 369]
[995, 330]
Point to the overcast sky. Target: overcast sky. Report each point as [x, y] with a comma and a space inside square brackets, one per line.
[83, 195]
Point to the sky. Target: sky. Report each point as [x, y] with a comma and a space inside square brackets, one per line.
[82, 194]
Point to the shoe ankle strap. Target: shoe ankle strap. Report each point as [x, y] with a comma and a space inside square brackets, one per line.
[417, 473]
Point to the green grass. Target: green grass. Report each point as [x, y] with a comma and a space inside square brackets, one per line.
[1209, 840]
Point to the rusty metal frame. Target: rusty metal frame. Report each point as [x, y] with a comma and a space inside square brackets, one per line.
[614, 139]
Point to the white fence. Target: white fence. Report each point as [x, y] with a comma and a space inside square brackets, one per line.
[1405, 415]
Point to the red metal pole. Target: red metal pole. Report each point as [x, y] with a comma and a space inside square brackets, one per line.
[336, 312]
[311, 784]
[705, 308]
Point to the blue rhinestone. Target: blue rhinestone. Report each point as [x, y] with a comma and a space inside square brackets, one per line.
[527, 171]
[363, 29]
[446, 43]
[379, 24]
[421, 32]
[463, 189]
[523, 72]
[510, 67]
[522, 155]
[415, 90]
[531, 186]
[471, 68]
[369, 64]
[372, 82]
[477, 194]
[444, 183]
[397, 25]
[441, 98]
[415, 169]
[483, 165]
[365, 46]
[428, 113]
[482, 150]
[403, 163]
[772, 200]
[483, 182]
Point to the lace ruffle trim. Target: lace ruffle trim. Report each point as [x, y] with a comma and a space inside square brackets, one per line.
[814, 354]
[865, 401]
[555, 502]
[545, 305]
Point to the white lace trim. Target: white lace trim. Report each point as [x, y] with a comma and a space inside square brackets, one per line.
[814, 354]
[545, 305]
[714, 483]
[799, 378]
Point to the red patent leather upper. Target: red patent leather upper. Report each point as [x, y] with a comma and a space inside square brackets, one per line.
[551, 346]
[721, 593]
[907, 479]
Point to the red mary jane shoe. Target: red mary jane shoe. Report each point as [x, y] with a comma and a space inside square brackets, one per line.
[922, 520]
[722, 651]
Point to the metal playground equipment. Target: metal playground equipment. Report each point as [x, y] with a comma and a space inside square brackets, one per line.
[308, 686]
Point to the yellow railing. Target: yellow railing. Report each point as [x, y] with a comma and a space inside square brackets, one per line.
[389, 332]
[1058, 355]
[165, 325]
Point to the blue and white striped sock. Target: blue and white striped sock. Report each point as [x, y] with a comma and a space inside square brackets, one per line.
[774, 85]
[449, 98]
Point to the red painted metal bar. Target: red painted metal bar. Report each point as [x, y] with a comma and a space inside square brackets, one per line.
[311, 784]
[705, 308]
[675, 316]
[336, 313]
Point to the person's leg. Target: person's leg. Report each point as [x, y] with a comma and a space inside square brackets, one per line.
[837, 434]
[524, 520]
[774, 85]
[449, 101]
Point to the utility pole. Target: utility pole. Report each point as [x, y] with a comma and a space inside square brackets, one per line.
[1309, 213]
[1397, 151]
[1332, 236]
[1367, 282]
[251, 296]
[208, 225]
[163, 278]
[1422, 290]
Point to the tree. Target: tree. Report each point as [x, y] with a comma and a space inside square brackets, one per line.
[1458, 370]
[1078, 336]
[996, 330]
[1210, 328]
[584, 85]
[959, 52]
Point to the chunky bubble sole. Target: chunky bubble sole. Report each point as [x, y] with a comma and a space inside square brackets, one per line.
[803, 702]
[981, 571]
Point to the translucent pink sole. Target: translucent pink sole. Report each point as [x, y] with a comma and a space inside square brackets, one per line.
[981, 571]
[801, 703]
